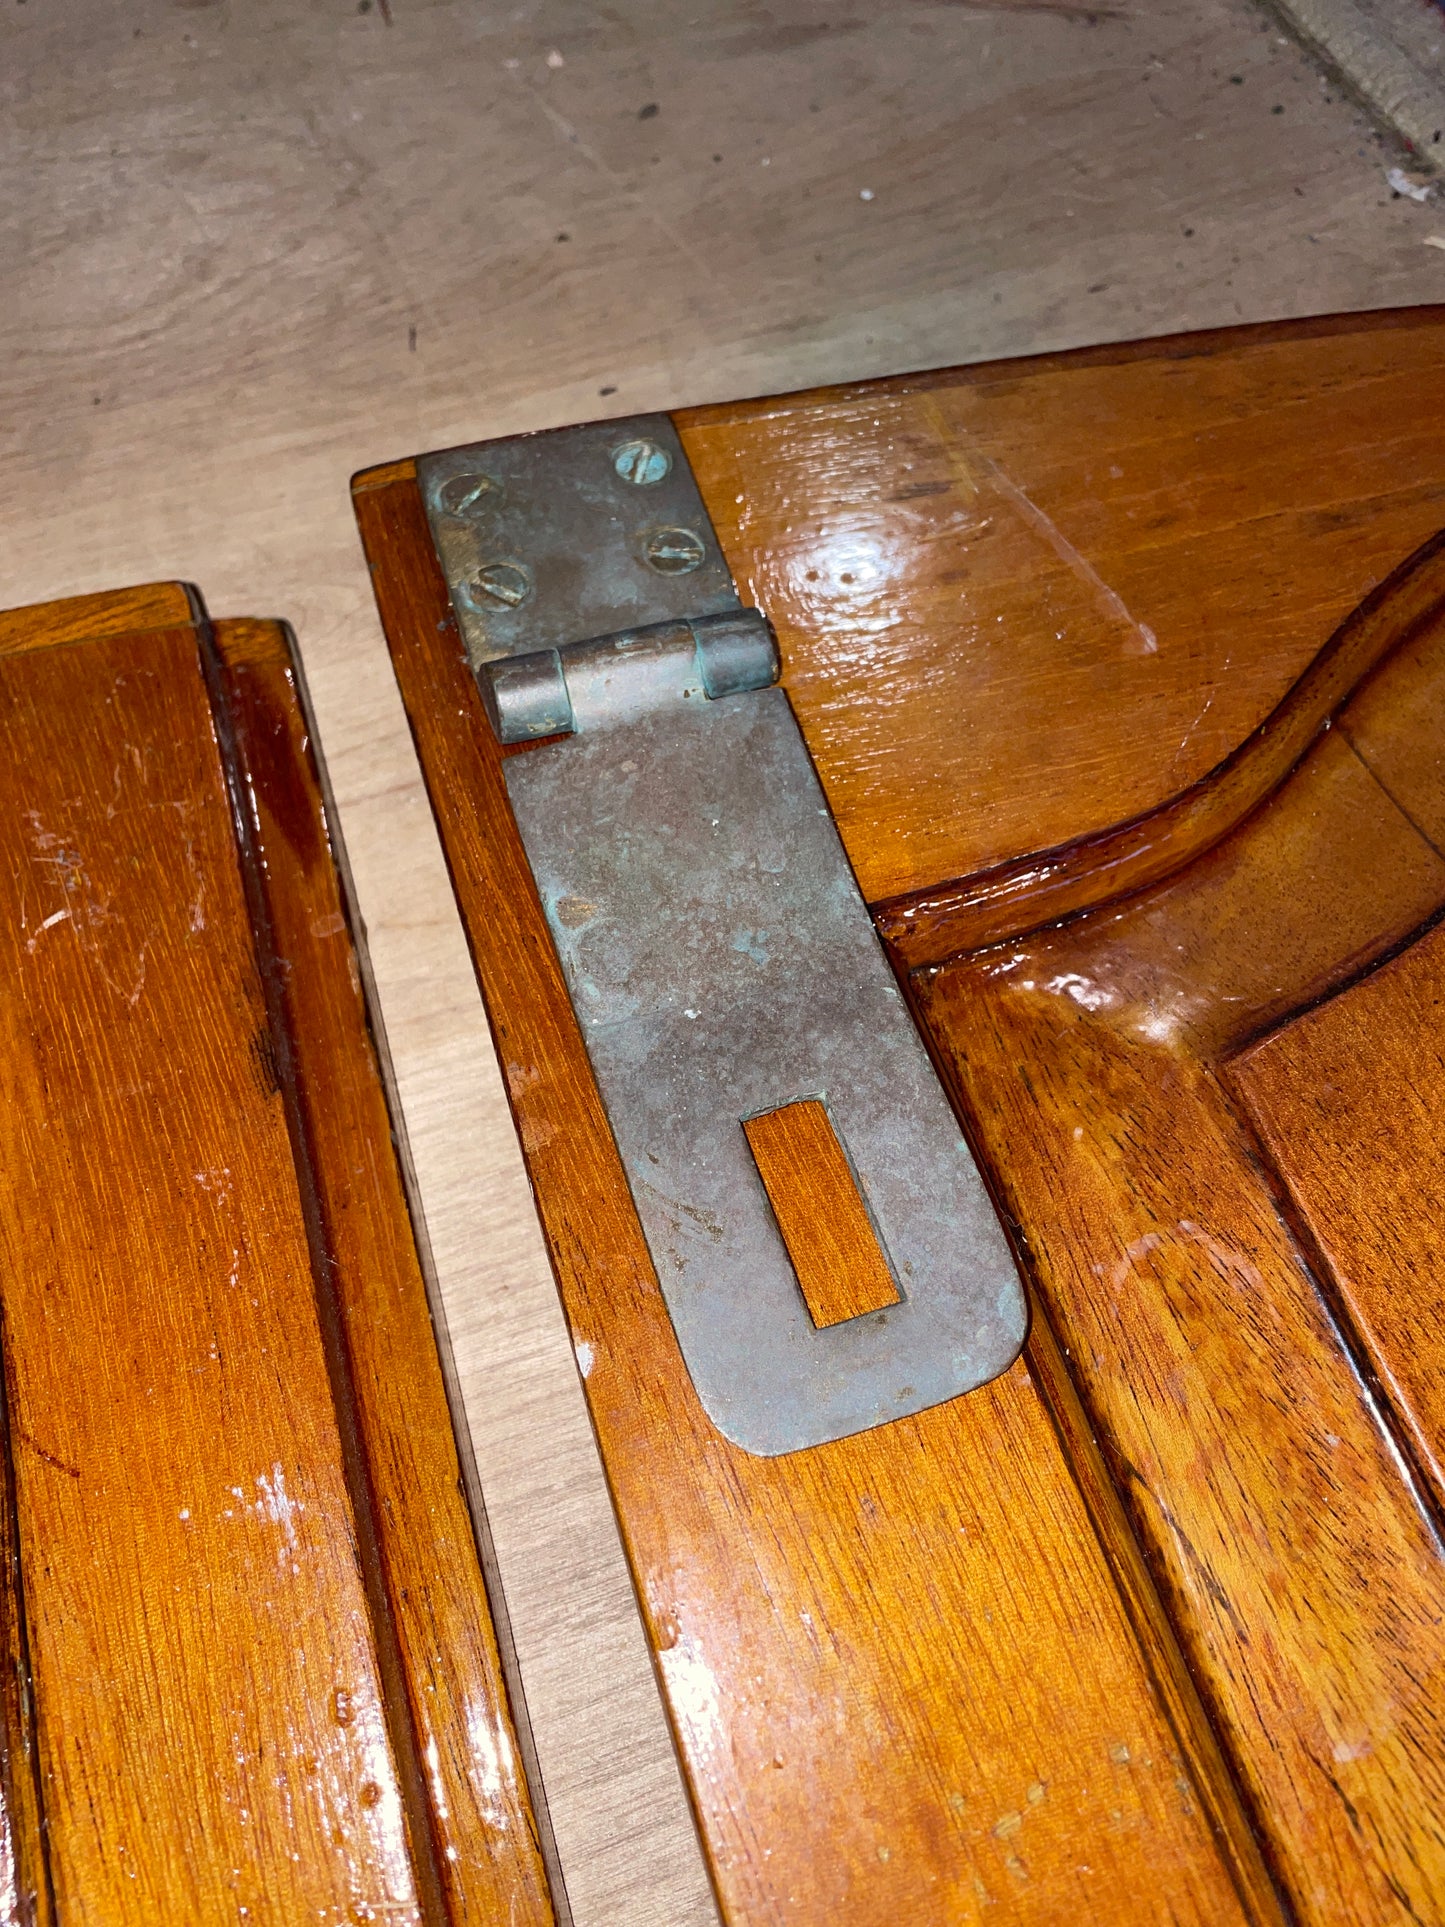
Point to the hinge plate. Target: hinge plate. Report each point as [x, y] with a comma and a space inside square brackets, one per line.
[722, 963]
[545, 541]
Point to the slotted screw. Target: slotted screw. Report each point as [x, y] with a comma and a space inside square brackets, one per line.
[464, 494]
[642, 462]
[504, 584]
[673, 551]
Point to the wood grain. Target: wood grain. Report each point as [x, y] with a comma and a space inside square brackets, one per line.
[238, 215]
[1021, 603]
[871, 1652]
[111, 612]
[178, 1471]
[483, 1826]
[1009, 901]
[1395, 724]
[602, 1730]
[26, 1895]
[829, 1236]
[225, 1417]
[1347, 1101]
[1257, 1464]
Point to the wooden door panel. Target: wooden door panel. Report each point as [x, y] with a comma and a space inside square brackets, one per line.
[1021, 602]
[164, 1275]
[216, 1506]
[1119, 670]
[916, 1673]
[1094, 1059]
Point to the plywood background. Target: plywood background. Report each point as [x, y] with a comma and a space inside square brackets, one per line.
[246, 250]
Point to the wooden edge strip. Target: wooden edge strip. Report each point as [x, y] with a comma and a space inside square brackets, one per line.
[244, 643]
[1221, 1786]
[274, 967]
[27, 1894]
[1354, 1336]
[88, 618]
[1189, 345]
[383, 475]
[1007, 902]
[435, 1630]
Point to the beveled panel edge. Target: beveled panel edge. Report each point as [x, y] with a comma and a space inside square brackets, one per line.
[927, 927]
[90, 618]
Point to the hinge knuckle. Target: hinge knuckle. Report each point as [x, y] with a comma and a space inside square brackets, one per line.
[615, 679]
[736, 653]
[526, 696]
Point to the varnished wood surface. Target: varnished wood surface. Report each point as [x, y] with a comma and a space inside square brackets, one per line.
[449, 1669]
[600, 1727]
[839, 1264]
[111, 612]
[873, 1653]
[220, 233]
[249, 1671]
[1047, 886]
[1348, 1103]
[1203, 1321]
[1021, 603]
[26, 1896]
[187, 1508]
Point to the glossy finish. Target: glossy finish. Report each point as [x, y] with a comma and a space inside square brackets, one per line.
[1348, 1099]
[482, 1825]
[1223, 1240]
[214, 1505]
[1348, 1103]
[1021, 603]
[917, 1674]
[167, 1272]
[1049, 885]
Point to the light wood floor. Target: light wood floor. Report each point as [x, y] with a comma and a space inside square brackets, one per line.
[248, 249]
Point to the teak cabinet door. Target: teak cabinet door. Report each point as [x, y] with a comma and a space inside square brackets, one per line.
[1123, 673]
[251, 1671]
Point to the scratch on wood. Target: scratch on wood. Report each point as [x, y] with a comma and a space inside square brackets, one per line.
[40, 1452]
[1109, 599]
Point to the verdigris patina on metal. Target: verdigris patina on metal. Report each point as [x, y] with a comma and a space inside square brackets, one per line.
[559, 537]
[722, 963]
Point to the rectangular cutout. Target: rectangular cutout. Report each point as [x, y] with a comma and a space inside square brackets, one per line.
[825, 1225]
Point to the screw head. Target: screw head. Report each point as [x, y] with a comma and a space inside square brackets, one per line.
[503, 585]
[673, 551]
[642, 462]
[466, 494]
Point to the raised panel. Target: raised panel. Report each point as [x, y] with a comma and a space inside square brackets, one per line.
[247, 1577]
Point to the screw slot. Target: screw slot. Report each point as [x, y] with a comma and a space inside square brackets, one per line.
[673, 551]
[466, 494]
[642, 462]
[503, 585]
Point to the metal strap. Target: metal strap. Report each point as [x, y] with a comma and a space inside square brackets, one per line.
[722, 963]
